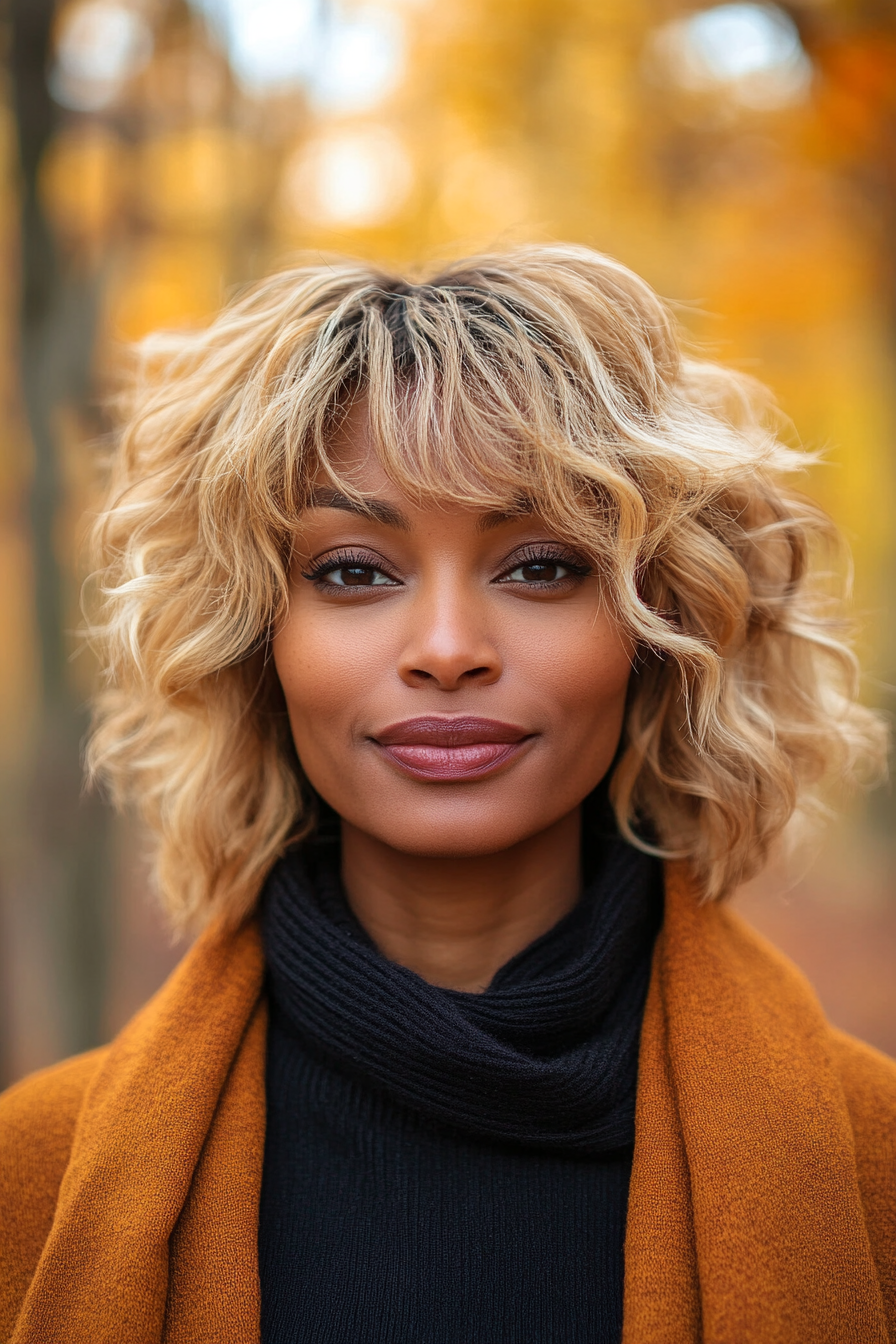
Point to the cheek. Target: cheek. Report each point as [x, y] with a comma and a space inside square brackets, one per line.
[590, 700]
[326, 666]
[583, 670]
[310, 671]
[599, 674]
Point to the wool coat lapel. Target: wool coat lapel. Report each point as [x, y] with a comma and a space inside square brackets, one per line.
[746, 1218]
[213, 1292]
[170, 1136]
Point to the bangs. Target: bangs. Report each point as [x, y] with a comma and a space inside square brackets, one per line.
[474, 401]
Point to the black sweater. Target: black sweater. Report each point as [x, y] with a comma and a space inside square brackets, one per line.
[449, 1168]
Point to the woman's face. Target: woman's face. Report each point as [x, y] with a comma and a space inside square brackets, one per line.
[455, 682]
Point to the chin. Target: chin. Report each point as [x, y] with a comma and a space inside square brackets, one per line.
[428, 839]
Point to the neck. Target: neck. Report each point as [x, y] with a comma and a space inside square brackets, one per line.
[456, 921]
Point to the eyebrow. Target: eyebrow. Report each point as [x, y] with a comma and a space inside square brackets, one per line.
[378, 509]
[383, 512]
[497, 517]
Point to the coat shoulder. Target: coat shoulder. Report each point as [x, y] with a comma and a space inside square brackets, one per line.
[38, 1114]
[37, 1125]
[868, 1078]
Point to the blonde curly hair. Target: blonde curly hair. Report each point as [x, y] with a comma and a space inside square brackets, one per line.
[547, 378]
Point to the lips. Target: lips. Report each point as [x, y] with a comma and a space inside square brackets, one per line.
[451, 748]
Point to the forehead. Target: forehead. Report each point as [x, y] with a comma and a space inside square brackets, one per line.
[352, 460]
[431, 474]
[352, 454]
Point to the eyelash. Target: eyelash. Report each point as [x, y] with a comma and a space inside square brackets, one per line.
[546, 555]
[345, 560]
[529, 555]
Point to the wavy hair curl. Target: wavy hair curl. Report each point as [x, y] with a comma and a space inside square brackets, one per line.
[550, 378]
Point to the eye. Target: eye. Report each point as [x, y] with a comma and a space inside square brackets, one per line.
[540, 568]
[538, 571]
[349, 571]
[357, 576]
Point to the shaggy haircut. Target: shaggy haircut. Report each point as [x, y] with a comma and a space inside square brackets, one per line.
[548, 379]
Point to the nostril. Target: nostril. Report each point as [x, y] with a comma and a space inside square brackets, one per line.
[469, 674]
[448, 669]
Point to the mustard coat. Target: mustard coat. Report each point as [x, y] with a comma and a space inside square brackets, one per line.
[762, 1206]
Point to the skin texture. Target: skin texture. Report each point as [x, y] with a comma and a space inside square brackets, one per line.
[449, 613]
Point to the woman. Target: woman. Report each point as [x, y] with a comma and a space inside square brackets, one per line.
[463, 653]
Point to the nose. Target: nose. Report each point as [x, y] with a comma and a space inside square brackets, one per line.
[449, 646]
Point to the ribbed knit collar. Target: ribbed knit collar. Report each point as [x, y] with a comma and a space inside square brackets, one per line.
[545, 1057]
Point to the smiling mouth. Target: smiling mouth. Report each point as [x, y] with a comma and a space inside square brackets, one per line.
[451, 749]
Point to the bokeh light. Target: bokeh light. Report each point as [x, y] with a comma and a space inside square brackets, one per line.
[351, 177]
[346, 59]
[753, 52]
[100, 45]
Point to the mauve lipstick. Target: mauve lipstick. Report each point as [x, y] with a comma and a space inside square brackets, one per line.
[451, 748]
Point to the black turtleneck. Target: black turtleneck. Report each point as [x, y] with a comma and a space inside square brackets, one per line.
[443, 1167]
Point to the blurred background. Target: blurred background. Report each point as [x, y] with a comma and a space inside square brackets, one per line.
[155, 155]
